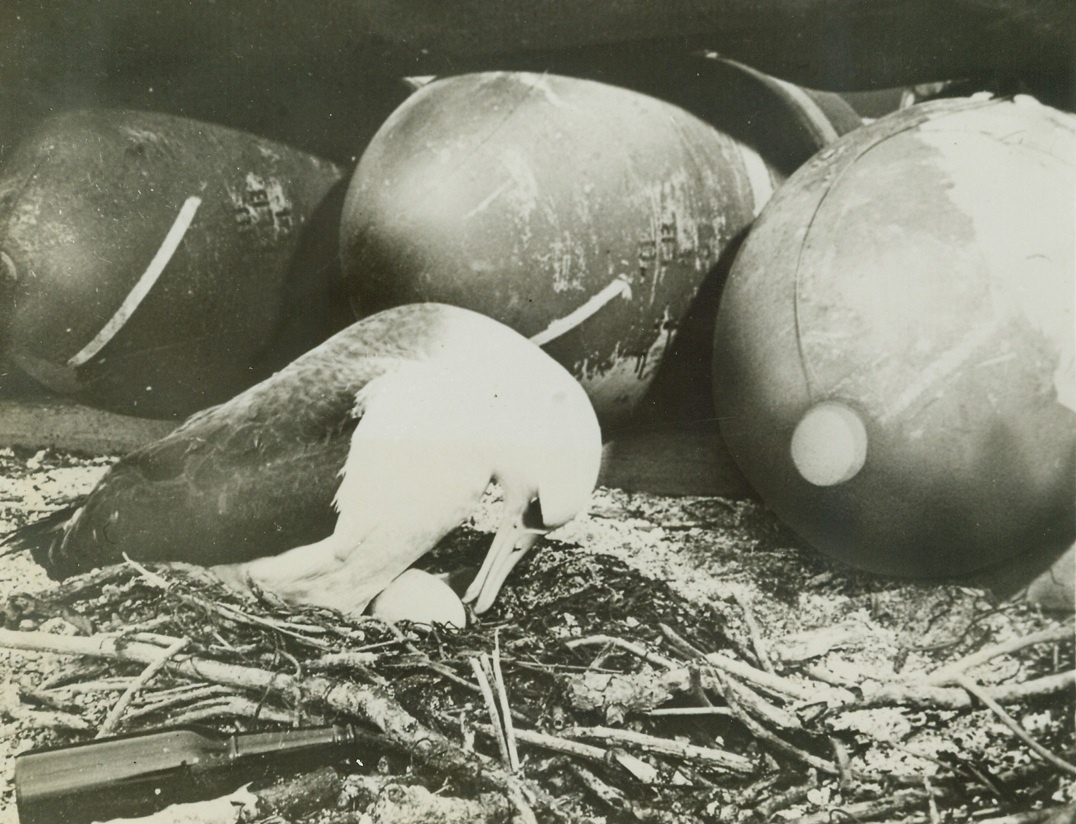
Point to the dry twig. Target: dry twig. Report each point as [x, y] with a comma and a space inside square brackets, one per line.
[1010, 722]
[781, 801]
[759, 731]
[230, 613]
[554, 743]
[926, 695]
[690, 752]
[620, 643]
[506, 710]
[688, 711]
[491, 707]
[1065, 814]
[778, 685]
[214, 707]
[113, 718]
[1052, 635]
[755, 632]
[898, 802]
[711, 679]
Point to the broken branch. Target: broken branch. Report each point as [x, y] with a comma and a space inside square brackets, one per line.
[949, 672]
[1010, 722]
[719, 758]
[926, 695]
[114, 716]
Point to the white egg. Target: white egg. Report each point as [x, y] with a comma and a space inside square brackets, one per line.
[421, 598]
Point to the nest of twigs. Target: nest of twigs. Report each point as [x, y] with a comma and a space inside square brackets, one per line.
[594, 692]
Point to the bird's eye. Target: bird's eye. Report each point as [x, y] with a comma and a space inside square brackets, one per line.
[532, 515]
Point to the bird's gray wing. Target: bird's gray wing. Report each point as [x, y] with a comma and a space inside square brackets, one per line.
[251, 477]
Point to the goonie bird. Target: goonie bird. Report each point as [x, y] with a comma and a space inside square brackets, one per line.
[411, 413]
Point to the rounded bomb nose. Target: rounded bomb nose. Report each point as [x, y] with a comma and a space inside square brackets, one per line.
[922, 274]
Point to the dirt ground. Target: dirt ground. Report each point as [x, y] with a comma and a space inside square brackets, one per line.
[662, 659]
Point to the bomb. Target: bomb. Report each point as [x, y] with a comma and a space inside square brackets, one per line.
[583, 215]
[893, 356]
[154, 265]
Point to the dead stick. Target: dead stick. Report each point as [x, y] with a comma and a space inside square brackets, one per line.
[956, 699]
[491, 707]
[114, 716]
[186, 693]
[844, 764]
[506, 709]
[759, 731]
[898, 802]
[755, 632]
[1010, 722]
[96, 685]
[225, 611]
[86, 583]
[932, 804]
[639, 770]
[628, 646]
[680, 643]
[234, 707]
[1052, 635]
[447, 672]
[720, 758]
[1053, 815]
[806, 693]
[749, 699]
[610, 796]
[554, 743]
[775, 684]
[793, 795]
[243, 707]
[688, 711]
[818, 672]
[368, 703]
[615, 799]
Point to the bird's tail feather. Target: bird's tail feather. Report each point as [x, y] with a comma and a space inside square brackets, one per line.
[40, 537]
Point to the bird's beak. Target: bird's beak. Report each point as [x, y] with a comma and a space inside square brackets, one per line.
[510, 544]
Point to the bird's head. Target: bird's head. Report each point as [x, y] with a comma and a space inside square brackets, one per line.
[547, 480]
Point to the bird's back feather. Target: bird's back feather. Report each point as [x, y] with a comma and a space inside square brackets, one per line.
[250, 477]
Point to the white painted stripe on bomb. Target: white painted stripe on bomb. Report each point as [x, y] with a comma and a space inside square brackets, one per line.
[144, 285]
[758, 176]
[619, 287]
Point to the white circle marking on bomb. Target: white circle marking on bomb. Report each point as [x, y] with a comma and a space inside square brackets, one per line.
[829, 444]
